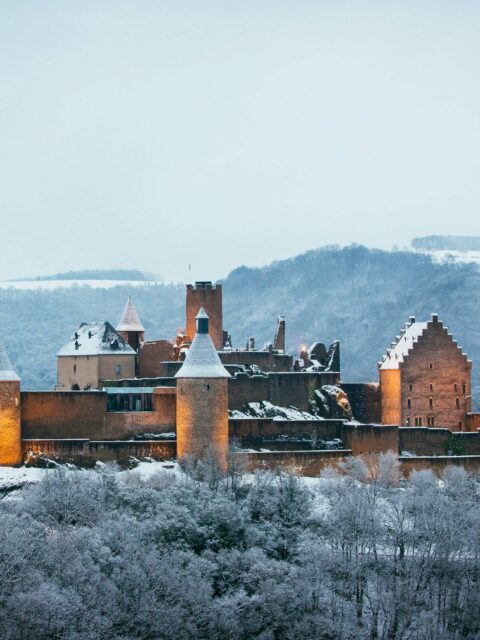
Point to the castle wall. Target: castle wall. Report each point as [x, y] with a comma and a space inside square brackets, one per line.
[204, 294]
[473, 421]
[438, 464]
[306, 463]
[86, 452]
[365, 400]
[77, 414]
[151, 357]
[364, 439]
[436, 360]
[89, 370]
[10, 446]
[423, 441]
[265, 360]
[202, 418]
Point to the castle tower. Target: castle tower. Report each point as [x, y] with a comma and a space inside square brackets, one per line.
[202, 399]
[208, 296]
[10, 426]
[130, 327]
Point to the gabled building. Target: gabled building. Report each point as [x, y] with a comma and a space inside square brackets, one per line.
[94, 352]
[425, 378]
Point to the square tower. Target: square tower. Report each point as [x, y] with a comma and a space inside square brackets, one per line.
[209, 296]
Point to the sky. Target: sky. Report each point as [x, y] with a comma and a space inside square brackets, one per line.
[157, 134]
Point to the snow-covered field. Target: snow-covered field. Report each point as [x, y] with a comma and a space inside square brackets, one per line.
[26, 285]
[461, 257]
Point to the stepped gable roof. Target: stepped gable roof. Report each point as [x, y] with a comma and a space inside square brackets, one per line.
[94, 339]
[202, 360]
[7, 372]
[129, 320]
[408, 338]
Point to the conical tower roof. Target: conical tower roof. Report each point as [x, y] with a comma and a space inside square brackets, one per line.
[7, 371]
[129, 320]
[201, 360]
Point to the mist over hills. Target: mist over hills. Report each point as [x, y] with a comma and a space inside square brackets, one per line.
[357, 295]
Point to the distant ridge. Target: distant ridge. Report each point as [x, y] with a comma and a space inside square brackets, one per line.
[96, 274]
[447, 243]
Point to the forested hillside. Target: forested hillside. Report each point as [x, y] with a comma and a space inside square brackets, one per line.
[359, 296]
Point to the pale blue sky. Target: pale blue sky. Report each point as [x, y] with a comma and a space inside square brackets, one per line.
[150, 134]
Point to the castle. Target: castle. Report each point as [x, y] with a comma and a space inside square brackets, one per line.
[120, 396]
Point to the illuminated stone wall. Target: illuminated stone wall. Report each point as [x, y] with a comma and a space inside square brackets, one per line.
[210, 297]
[10, 432]
[202, 418]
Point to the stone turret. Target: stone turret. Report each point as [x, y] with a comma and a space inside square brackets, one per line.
[279, 340]
[202, 399]
[130, 327]
[10, 425]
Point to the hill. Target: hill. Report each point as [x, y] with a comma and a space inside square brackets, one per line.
[447, 243]
[95, 274]
[357, 295]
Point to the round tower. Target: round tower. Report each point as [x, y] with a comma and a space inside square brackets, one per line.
[202, 399]
[10, 429]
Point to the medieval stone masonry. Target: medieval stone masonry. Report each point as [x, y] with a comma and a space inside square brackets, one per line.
[196, 395]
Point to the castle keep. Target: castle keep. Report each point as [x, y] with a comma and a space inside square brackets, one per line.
[120, 395]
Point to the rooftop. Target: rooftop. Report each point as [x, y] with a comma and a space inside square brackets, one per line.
[129, 320]
[403, 345]
[95, 338]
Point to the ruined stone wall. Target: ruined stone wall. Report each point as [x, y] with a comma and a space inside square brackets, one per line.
[86, 452]
[436, 380]
[365, 400]
[438, 464]
[265, 360]
[204, 294]
[10, 447]
[364, 439]
[151, 357]
[306, 463]
[202, 418]
[282, 389]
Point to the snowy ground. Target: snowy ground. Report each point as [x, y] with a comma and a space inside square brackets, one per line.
[26, 285]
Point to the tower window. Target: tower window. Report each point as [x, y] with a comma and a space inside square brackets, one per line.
[418, 422]
[208, 387]
[409, 403]
[118, 369]
[407, 422]
[431, 387]
[410, 386]
[431, 365]
[455, 386]
[430, 403]
[457, 403]
[464, 388]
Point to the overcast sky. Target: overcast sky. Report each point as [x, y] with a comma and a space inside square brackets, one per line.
[152, 134]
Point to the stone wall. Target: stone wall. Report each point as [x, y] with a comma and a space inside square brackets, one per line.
[10, 448]
[282, 389]
[365, 400]
[86, 452]
[423, 441]
[77, 414]
[151, 357]
[265, 360]
[306, 463]
[438, 464]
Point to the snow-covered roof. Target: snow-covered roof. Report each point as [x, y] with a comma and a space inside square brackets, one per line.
[7, 372]
[93, 339]
[129, 320]
[404, 343]
[202, 360]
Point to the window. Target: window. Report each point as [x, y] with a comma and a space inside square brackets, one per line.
[74, 368]
[430, 403]
[410, 386]
[407, 422]
[464, 386]
[118, 369]
[208, 387]
[431, 365]
[129, 402]
[455, 387]
[460, 425]
[457, 403]
[430, 421]
[418, 422]
[431, 387]
[409, 403]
